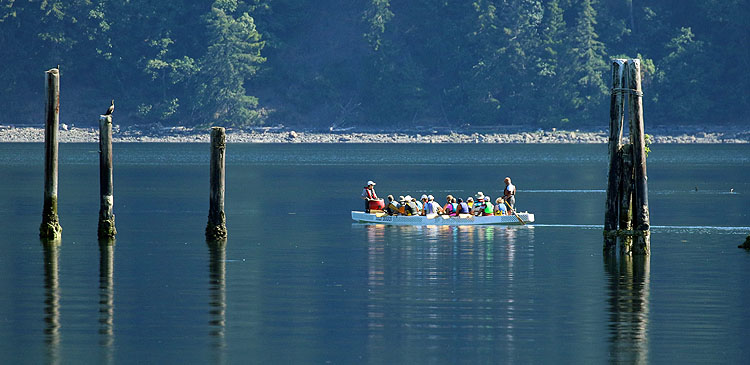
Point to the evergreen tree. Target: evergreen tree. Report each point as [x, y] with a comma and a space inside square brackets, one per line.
[588, 65]
[680, 80]
[232, 57]
[552, 94]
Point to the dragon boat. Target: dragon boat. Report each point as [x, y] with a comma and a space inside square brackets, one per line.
[441, 220]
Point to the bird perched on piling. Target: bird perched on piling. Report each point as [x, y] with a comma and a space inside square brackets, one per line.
[111, 108]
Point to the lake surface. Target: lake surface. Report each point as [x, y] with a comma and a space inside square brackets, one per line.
[299, 282]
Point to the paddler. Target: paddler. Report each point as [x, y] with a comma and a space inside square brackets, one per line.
[477, 208]
[488, 208]
[450, 206]
[423, 204]
[368, 194]
[462, 208]
[393, 206]
[500, 207]
[411, 206]
[431, 207]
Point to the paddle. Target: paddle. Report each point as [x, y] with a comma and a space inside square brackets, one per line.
[514, 213]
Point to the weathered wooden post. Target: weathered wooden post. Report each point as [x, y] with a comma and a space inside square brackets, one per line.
[616, 114]
[641, 220]
[626, 199]
[216, 228]
[50, 228]
[106, 193]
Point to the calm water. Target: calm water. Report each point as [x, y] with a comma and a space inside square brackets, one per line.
[298, 282]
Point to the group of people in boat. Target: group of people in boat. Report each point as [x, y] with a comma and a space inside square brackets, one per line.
[478, 205]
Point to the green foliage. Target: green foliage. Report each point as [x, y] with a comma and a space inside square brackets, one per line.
[374, 62]
[233, 56]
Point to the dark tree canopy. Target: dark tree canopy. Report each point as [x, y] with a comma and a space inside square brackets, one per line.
[375, 63]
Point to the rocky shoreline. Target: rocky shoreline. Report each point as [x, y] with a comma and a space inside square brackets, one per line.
[280, 134]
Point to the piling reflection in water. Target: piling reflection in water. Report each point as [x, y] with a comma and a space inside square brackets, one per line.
[217, 289]
[51, 301]
[629, 286]
[445, 274]
[107, 297]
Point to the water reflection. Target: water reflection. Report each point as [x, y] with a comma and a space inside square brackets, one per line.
[107, 297]
[629, 286]
[428, 279]
[51, 301]
[218, 296]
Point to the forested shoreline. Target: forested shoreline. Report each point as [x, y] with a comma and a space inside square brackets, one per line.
[375, 63]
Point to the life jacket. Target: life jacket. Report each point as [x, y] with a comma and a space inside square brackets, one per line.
[463, 208]
[448, 208]
[412, 208]
[393, 207]
[500, 209]
[370, 193]
[429, 208]
[507, 193]
[488, 209]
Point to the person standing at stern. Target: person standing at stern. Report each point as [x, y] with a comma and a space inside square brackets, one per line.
[509, 194]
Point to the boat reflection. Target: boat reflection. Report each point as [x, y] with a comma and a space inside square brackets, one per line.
[423, 279]
[217, 289]
[51, 301]
[629, 291]
[107, 297]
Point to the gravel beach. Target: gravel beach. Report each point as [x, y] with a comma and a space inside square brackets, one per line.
[289, 135]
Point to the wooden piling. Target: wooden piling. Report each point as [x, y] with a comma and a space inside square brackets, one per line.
[641, 219]
[616, 114]
[626, 199]
[50, 228]
[216, 228]
[627, 189]
[106, 192]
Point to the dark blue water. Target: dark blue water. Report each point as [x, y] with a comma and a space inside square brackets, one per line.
[299, 282]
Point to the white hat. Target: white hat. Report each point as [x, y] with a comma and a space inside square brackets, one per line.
[430, 197]
[423, 197]
[480, 195]
[370, 182]
[408, 198]
[487, 198]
